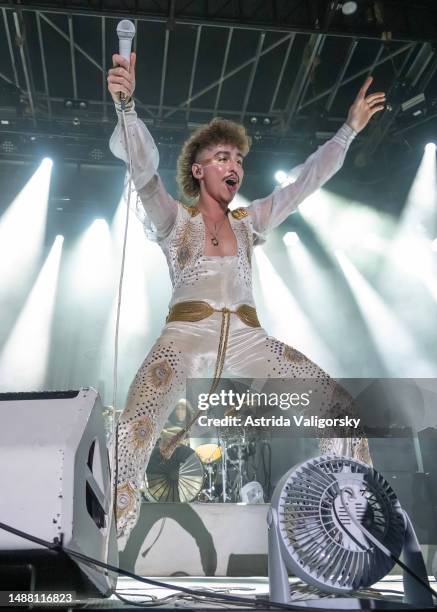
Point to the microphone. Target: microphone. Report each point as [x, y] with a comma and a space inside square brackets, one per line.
[125, 33]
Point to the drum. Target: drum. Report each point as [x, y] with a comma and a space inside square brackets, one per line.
[237, 451]
[178, 479]
[208, 453]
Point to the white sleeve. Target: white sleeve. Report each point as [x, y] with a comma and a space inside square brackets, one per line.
[267, 213]
[159, 209]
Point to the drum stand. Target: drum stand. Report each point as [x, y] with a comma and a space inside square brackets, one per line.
[224, 462]
[241, 471]
[209, 492]
[238, 464]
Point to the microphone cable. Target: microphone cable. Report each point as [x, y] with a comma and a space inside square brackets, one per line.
[57, 546]
[376, 541]
[114, 429]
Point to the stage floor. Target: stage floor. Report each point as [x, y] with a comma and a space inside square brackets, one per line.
[388, 590]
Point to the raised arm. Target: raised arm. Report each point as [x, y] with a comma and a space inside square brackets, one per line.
[267, 213]
[159, 207]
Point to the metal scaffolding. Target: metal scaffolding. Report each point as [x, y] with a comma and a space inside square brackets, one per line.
[272, 53]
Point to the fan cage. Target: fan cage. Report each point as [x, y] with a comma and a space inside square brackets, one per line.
[316, 546]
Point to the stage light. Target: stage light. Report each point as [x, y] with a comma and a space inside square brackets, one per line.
[286, 178]
[100, 223]
[373, 242]
[145, 283]
[396, 346]
[342, 223]
[316, 283]
[280, 176]
[91, 259]
[137, 301]
[412, 255]
[22, 229]
[349, 8]
[24, 359]
[412, 247]
[254, 120]
[8, 146]
[92, 273]
[412, 102]
[290, 238]
[286, 320]
[239, 201]
[76, 104]
[267, 121]
[420, 212]
[97, 154]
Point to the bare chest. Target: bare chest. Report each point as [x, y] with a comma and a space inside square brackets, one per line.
[219, 240]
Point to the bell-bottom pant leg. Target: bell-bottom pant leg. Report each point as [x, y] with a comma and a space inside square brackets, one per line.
[183, 350]
[252, 353]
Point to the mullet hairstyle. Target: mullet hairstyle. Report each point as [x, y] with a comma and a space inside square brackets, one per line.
[213, 133]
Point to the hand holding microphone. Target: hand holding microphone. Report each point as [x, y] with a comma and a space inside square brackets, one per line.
[121, 78]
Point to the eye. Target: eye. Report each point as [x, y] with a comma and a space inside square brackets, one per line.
[240, 162]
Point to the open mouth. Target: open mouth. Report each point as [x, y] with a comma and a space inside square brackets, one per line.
[231, 181]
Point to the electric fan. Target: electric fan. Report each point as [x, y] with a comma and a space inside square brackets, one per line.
[335, 523]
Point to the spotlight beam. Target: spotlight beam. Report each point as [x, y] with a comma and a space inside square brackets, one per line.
[24, 359]
[22, 229]
[396, 346]
[301, 333]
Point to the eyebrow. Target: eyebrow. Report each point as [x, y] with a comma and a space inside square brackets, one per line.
[227, 152]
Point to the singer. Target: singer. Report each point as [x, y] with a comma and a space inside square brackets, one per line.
[212, 326]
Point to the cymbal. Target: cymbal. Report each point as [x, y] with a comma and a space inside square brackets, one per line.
[208, 453]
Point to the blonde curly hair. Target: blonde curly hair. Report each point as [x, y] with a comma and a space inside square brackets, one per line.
[215, 132]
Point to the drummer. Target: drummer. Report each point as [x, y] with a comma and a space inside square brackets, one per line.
[181, 415]
[178, 420]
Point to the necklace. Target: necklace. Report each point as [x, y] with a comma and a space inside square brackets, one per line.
[214, 235]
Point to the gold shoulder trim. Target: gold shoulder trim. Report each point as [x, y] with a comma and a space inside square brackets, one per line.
[239, 213]
[192, 210]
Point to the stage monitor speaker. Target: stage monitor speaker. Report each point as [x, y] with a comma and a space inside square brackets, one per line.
[55, 484]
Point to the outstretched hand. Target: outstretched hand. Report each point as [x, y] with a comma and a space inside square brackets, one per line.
[364, 107]
[121, 78]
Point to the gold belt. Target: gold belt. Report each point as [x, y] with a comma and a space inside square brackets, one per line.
[196, 310]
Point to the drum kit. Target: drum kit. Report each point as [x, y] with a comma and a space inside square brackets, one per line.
[219, 470]
[213, 471]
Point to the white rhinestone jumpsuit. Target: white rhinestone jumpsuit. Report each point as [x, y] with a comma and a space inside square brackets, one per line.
[189, 350]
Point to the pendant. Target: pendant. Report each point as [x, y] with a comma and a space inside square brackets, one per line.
[214, 241]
